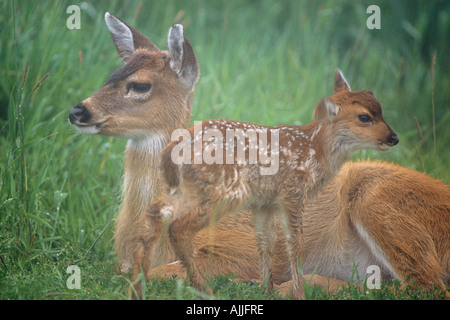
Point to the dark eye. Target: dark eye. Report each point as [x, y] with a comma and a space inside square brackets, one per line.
[364, 118]
[139, 87]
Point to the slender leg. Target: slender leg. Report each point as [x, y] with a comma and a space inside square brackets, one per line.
[294, 246]
[266, 232]
[292, 227]
[181, 232]
[149, 234]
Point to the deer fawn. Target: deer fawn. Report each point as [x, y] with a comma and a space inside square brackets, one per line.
[143, 101]
[230, 179]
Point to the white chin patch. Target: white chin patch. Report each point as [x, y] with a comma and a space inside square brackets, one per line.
[383, 146]
[88, 129]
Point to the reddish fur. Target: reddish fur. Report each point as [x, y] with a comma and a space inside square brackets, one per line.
[418, 206]
[309, 156]
[146, 119]
[406, 211]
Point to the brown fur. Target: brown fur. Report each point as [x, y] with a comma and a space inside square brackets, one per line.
[309, 156]
[329, 233]
[147, 119]
[407, 212]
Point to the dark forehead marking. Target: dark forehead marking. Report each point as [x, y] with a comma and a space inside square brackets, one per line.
[368, 100]
[138, 62]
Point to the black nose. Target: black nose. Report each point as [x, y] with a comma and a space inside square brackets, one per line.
[392, 139]
[79, 114]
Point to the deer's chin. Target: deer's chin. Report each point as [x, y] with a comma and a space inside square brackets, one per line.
[384, 146]
[88, 129]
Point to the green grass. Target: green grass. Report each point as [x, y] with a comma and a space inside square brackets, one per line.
[261, 61]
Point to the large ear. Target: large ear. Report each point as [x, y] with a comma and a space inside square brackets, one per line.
[325, 110]
[182, 58]
[125, 38]
[340, 84]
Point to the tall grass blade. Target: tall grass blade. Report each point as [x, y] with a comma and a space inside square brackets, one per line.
[40, 82]
[433, 64]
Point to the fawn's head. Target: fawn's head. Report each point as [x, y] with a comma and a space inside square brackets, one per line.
[149, 95]
[357, 118]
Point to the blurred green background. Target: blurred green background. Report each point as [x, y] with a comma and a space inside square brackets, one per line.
[261, 61]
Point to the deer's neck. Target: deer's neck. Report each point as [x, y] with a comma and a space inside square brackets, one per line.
[141, 181]
[332, 147]
[141, 186]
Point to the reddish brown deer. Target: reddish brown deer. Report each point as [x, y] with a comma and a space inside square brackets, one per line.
[228, 179]
[371, 213]
[418, 207]
[143, 101]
